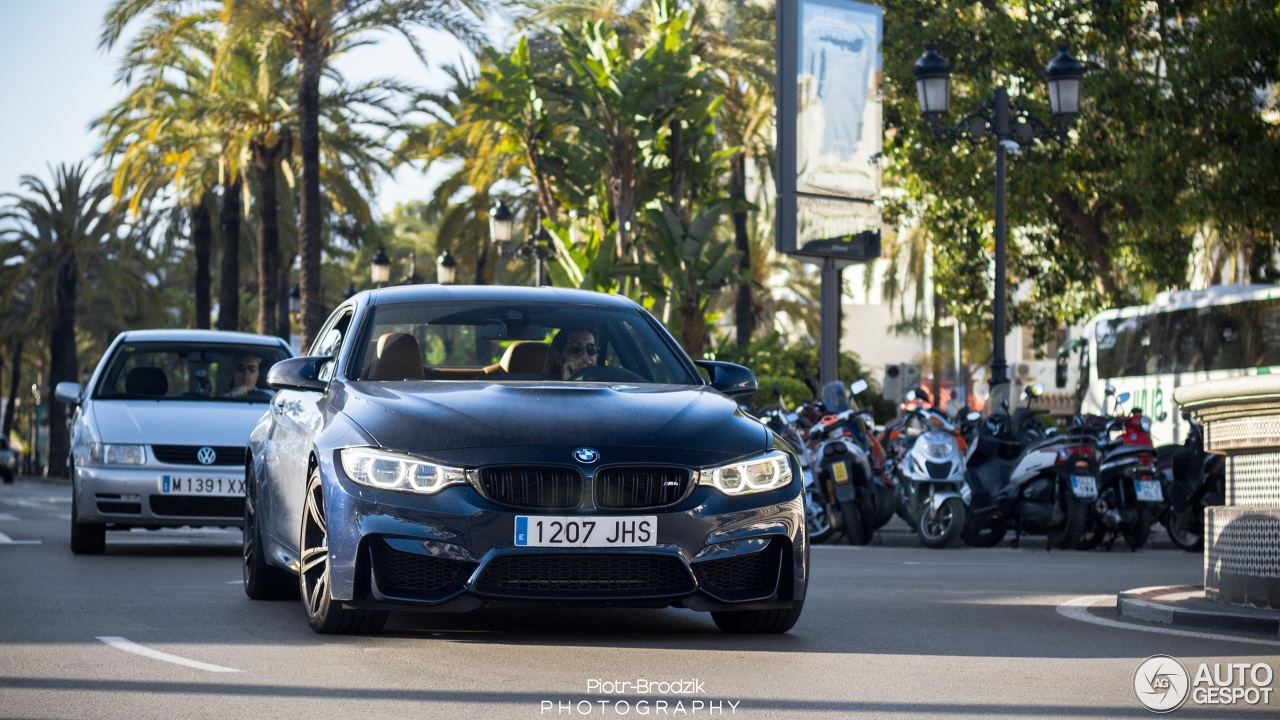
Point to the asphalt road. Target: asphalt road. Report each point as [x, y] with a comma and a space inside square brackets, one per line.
[160, 627]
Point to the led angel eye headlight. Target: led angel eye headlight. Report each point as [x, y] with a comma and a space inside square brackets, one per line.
[767, 472]
[393, 471]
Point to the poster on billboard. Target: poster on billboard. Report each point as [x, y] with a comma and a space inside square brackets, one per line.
[830, 128]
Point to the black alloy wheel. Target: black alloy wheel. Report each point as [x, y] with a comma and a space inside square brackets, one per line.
[758, 622]
[262, 581]
[86, 538]
[324, 614]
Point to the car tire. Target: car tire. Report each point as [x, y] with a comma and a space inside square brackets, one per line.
[325, 615]
[86, 538]
[757, 622]
[262, 581]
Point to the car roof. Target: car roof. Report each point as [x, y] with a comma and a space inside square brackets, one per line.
[200, 336]
[499, 293]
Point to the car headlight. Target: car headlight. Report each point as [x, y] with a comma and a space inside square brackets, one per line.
[117, 454]
[941, 450]
[767, 472]
[393, 471]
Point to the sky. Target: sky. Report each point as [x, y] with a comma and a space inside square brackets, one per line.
[55, 81]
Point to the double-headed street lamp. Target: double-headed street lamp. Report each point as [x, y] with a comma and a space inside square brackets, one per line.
[501, 222]
[1008, 124]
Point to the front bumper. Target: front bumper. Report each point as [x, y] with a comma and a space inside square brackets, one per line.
[455, 551]
[124, 497]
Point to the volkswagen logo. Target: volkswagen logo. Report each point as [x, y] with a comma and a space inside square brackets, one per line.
[206, 455]
[586, 455]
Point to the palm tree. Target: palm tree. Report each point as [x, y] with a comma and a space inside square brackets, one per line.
[70, 242]
[317, 30]
[156, 139]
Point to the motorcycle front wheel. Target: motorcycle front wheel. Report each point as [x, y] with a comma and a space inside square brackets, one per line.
[1183, 530]
[940, 527]
[816, 518]
[983, 536]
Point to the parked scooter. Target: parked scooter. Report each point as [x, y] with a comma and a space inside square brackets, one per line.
[1026, 479]
[787, 425]
[843, 466]
[1128, 485]
[931, 479]
[1195, 480]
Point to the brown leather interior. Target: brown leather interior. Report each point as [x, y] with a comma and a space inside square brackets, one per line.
[525, 357]
[397, 357]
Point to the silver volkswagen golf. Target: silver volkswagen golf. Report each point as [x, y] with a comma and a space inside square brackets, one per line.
[158, 437]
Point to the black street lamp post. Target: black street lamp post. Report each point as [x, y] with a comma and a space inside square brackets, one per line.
[380, 268]
[501, 222]
[1011, 126]
[446, 268]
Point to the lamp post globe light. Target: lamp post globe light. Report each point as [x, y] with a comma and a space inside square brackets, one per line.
[380, 268]
[446, 268]
[1009, 125]
[501, 223]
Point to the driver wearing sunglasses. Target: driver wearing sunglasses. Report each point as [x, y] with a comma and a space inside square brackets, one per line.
[574, 349]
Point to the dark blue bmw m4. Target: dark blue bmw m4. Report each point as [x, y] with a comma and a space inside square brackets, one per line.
[445, 448]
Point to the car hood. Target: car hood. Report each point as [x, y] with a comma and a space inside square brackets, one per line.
[170, 422]
[628, 423]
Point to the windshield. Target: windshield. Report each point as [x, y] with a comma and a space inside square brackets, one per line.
[189, 371]
[496, 341]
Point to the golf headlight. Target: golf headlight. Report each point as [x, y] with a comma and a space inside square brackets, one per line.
[393, 471]
[940, 451]
[117, 454]
[767, 472]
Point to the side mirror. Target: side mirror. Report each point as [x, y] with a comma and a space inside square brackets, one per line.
[1123, 397]
[858, 387]
[300, 373]
[1110, 389]
[729, 378]
[68, 392]
[1162, 416]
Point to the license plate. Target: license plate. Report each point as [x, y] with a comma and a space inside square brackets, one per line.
[1084, 486]
[841, 471]
[1148, 490]
[191, 485]
[544, 531]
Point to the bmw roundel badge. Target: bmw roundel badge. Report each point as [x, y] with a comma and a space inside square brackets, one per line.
[586, 455]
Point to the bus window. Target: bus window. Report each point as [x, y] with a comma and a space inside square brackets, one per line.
[1110, 352]
[1264, 334]
[1225, 337]
[1184, 343]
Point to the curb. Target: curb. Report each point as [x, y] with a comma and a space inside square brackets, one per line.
[1139, 605]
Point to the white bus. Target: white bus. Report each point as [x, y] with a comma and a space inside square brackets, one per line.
[1183, 337]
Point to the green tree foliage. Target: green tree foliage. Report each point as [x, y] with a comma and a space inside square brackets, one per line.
[1174, 92]
[75, 259]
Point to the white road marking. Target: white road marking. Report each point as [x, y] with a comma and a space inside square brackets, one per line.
[7, 517]
[6, 540]
[1078, 609]
[120, 643]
